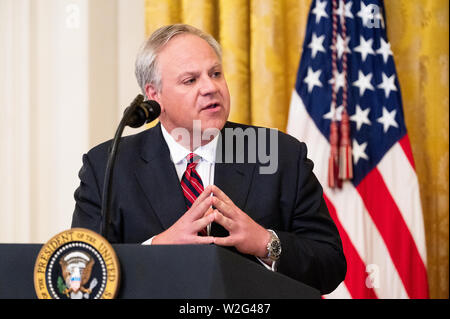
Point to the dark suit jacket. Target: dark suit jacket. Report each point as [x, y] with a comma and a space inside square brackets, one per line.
[147, 199]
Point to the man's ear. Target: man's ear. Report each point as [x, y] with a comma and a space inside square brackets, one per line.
[153, 94]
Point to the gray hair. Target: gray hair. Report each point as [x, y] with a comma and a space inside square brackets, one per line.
[146, 66]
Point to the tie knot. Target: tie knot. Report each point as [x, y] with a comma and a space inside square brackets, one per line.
[192, 160]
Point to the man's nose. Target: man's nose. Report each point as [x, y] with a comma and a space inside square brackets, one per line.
[207, 85]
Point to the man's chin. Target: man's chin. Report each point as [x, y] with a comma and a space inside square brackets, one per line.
[213, 125]
[216, 123]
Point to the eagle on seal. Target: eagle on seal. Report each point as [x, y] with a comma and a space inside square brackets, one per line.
[76, 269]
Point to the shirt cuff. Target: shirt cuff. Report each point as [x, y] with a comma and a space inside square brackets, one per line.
[271, 267]
[148, 242]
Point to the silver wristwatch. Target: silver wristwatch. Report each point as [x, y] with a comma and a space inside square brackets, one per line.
[273, 246]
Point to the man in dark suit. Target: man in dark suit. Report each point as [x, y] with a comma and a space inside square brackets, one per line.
[195, 171]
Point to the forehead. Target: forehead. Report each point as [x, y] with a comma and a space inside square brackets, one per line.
[186, 51]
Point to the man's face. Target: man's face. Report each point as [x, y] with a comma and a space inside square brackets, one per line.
[193, 85]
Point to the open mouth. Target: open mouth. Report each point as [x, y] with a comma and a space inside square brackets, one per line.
[211, 106]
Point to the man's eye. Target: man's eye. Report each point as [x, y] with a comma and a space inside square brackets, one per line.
[189, 81]
[217, 74]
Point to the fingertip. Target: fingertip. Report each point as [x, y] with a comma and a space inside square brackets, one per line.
[216, 190]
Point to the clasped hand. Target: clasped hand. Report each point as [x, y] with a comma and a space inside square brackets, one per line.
[247, 236]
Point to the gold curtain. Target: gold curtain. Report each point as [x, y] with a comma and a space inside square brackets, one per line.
[262, 42]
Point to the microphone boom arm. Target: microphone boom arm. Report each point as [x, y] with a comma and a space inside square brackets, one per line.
[138, 113]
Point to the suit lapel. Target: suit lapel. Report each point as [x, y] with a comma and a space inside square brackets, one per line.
[234, 179]
[158, 179]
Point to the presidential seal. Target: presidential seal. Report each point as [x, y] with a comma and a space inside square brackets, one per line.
[77, 264]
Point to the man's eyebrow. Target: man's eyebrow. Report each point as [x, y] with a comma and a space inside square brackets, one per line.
[195, 73]
[190, 73]
[216, 65]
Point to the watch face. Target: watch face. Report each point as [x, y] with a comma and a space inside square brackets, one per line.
[276, 247]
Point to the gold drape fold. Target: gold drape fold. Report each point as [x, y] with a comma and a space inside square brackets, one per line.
[268, 64]
[262, 41]
[162, 12]
[201, 14]
[234, 31]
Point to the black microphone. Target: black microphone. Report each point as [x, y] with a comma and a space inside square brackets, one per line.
[135, 115]
[142, 112]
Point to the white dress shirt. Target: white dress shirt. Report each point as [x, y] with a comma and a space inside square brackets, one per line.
[204, 168]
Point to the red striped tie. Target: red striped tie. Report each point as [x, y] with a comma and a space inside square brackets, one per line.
[191, 183]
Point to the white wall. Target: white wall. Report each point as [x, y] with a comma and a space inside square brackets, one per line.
[66, 74]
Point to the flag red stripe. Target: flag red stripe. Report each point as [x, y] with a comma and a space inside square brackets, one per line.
[355, 280]
[389, 222]
[406, 146]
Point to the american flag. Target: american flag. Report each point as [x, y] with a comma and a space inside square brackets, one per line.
[378, 212]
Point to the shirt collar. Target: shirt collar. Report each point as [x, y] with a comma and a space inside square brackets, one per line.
[178, 153]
